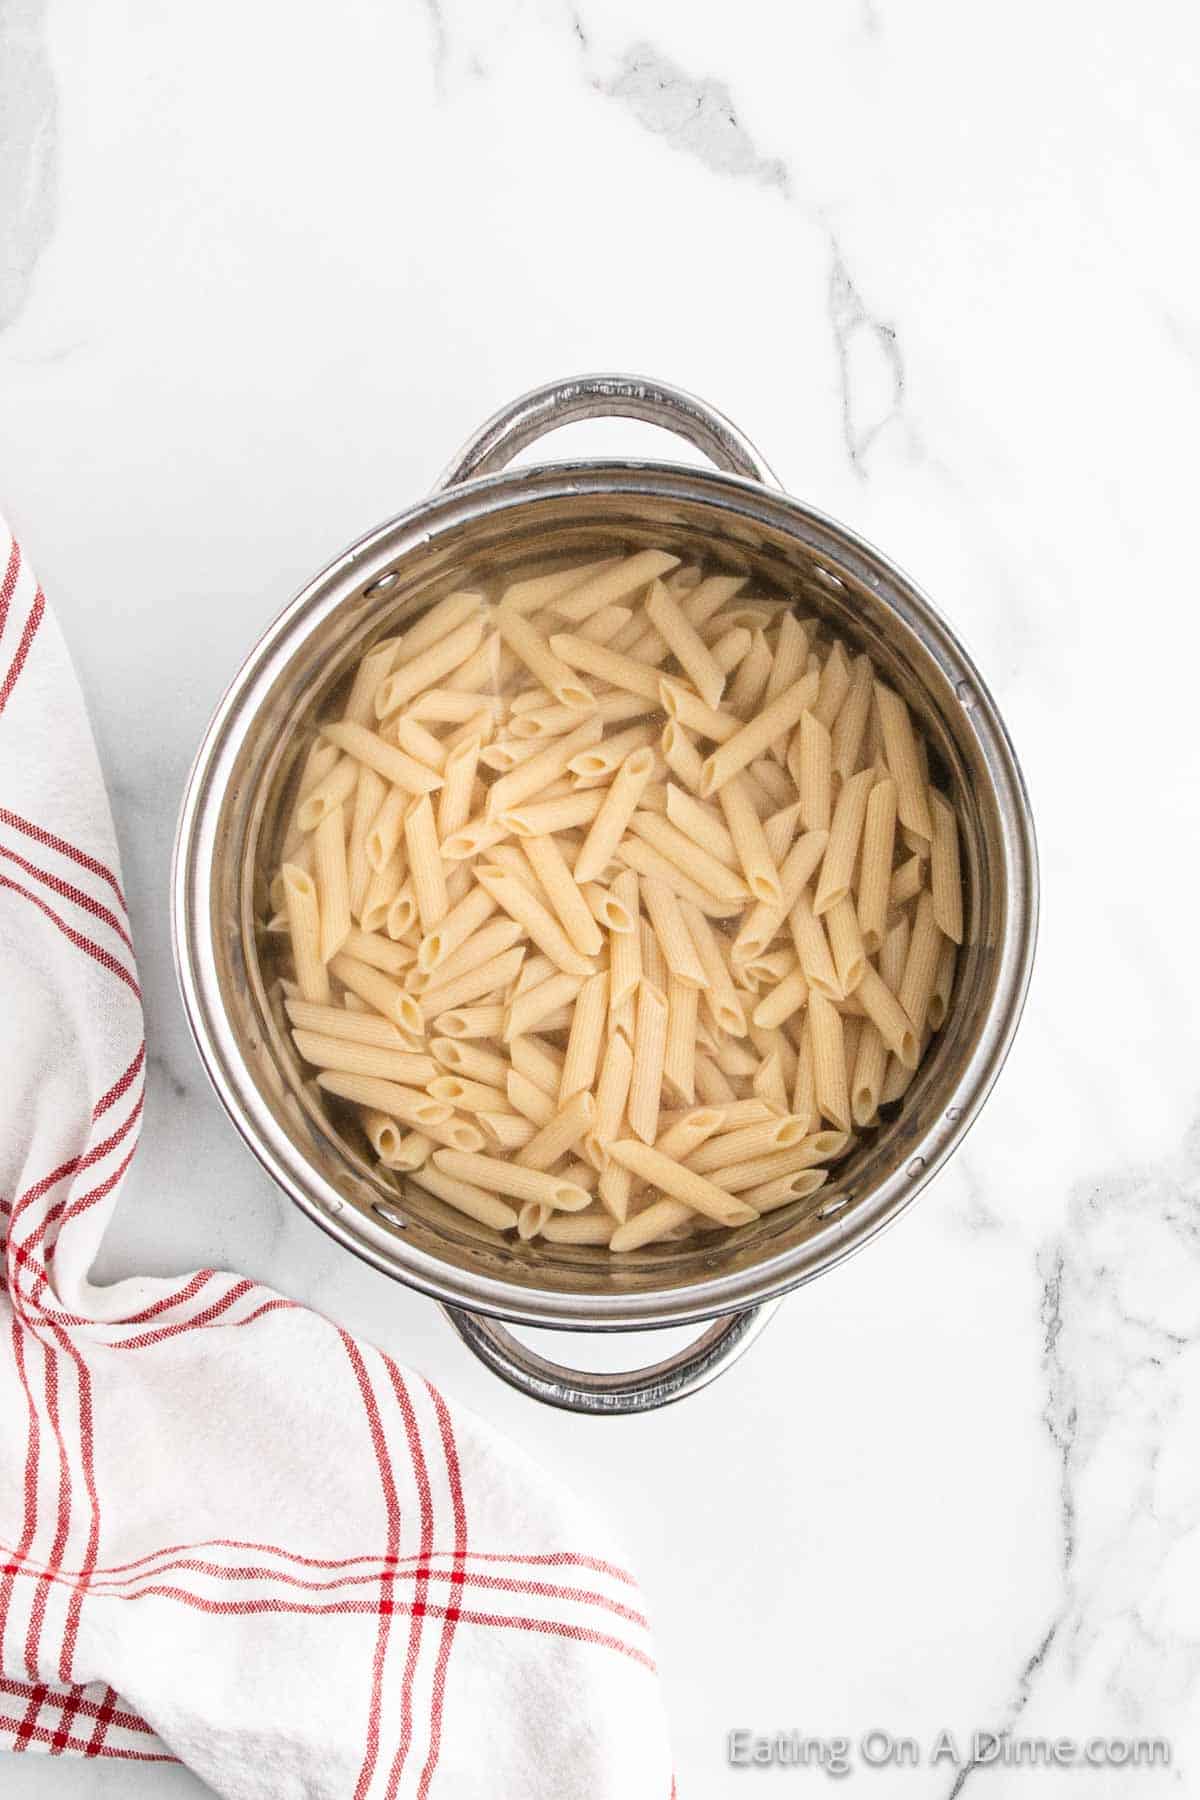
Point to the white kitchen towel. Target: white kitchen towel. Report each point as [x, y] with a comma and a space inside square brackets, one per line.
[229, 1533]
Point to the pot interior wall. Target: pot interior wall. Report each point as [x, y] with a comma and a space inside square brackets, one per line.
[860, 599]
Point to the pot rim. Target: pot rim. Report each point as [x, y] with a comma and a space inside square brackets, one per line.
[205, 792]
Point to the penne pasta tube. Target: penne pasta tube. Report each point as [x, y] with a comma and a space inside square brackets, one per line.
[829, 1061]
[761, 1139]
[531, 777]
[685, 708]
[379, 991]
[511, 1180]
[783, 1001]
[846, 945]
[607, 756]
[685, 644]
[327, 1052]
[587, 1036]
[460, 924]
[661, 1171]
[721, 998]
[541, 1062]
[410, 735]
[369, 795]
[334, 1021]
[943, 986]
[812, 948]
[467, 1096]
[623, 672]
[560, 1134]
[603, 626]
[393, 1098]
[378, 661]
[538, 591]
[386, 827]
[612, 1092]
[730, 648]
[471, 1022]
[470, 1060]
[455, 799]
[815, 775]
[545, 818]
[835, 684]
[429, 666]
[845, 836]
[907, 881]
[672, 934]
[875, 876]
[744, 1177]
[804, 1091]
[333, 882]
[473, 984]
[506, 1130]
[490, 941]
[702, 823]
[368, 748]
[333, 790]
[379, 952]
[527, 643]
[425, 863]
[712, 1087]
[695, 863]
[681, 755]
[788, 662]
[531, 1009]
[750, 684]
[614, 814]
[866, 1083]
[945, 878]
[755, 737]
[530, 1100]
[649, 1054]
[900, 749]
[770, 1195]
[605, 908]
[921, 965]
[561, 889]
[849, 727]
[679, 1060]
[541, 926]
[466, 1197]
[442, 706]
[770, 1083]
[304, 925]
[578, 1228]
[651, 1225]
[750, 842]
[383, 890]
[625, 948]
[609, 587]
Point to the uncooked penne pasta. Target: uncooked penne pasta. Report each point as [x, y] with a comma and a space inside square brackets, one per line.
[527, 642]
[682, 1184]
[369, 794]
[685, 644]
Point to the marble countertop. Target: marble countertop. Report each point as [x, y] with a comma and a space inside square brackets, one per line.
[263, 271]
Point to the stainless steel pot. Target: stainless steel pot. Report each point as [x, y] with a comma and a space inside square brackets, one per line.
[229, 833]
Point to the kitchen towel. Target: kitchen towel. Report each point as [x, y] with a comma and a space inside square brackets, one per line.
[229, 1533]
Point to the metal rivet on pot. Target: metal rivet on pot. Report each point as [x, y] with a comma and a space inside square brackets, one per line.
[382, 585]
[916, 1167]
[393, 1218]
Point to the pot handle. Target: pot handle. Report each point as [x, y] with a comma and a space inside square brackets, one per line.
[544, 409]
[635, 1390]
